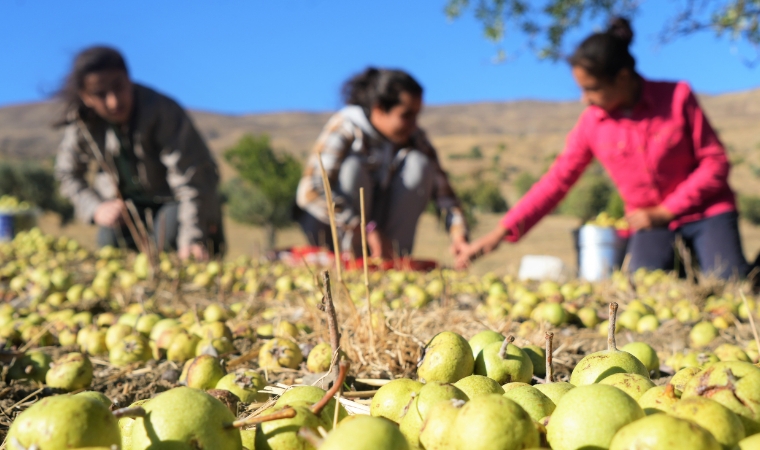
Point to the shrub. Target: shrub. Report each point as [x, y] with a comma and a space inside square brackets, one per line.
[35, 184]
[590, 196]
[524, 182]
[749, 208]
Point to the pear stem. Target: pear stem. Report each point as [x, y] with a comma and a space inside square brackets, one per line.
[670, 390]
[317, 407]
[611, 345]
[310, 436]
[549, 357]
[134, 411]
[286, 413]
[503, 349]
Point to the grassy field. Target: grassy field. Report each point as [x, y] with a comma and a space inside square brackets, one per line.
[552, 236]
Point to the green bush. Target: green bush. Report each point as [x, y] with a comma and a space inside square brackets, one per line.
[749, 208]
[265, 192]
[524, 182]
[35, 184]
[615, 206]
[590, 196]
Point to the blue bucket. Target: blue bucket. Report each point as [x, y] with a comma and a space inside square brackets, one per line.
[6, 227]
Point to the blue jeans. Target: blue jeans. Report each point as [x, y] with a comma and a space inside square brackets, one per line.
[715, 242]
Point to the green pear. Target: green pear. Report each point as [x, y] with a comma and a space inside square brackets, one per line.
[319, 358]
[682, 377]
[730, 352]
[132, 348]
[493, 422]
[434, 392]
[125, 426]
[735, 385]
[286, 330]
[278, 353]
[182, 347]
[446, 358]
[750, 443]
[146, 323]
[663, 432]
[392, 399]
[248, 436]
[588, 317]
[533, 401]
[720, 421]
[504, 362]
[699, 359]
[214, 347]
[436, 429]
[310, 395]
[63, 422]
[185, 418]
[482, 339]
[203, 372]
[514, 385]
[478, 385]
[537, 356]
[116, 333]
[555, 391]
[644, 353]
[632, 384]
[94, 343]
[595, 367]
[246, 385]
[589, 416]
[411, 425]
[702, 334]
[659, 399]
[70, 372]
[161, 326]
[34, 365]
[282, 434]
[365, 433]
[99, 396]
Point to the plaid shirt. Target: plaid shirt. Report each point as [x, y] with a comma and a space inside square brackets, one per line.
[349, 131]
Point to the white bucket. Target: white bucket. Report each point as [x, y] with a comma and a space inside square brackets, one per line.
[600, 251]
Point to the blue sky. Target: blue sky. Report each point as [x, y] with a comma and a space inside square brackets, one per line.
[241, 56]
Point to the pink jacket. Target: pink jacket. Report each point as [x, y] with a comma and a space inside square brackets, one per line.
[666, 153]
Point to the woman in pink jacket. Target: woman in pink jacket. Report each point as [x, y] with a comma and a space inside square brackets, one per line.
[660, 151]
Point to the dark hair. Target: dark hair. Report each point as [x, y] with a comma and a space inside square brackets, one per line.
[379, 87]
[89, 60]
[604, 55]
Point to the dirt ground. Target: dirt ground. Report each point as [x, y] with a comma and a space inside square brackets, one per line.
[552, 236]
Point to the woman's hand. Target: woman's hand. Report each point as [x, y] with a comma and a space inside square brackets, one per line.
[458, 245]
[648, 218]
[378, 245]
[197, 251]
[108, 213]
[480, 247]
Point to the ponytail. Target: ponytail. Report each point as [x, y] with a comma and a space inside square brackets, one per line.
[604, 55]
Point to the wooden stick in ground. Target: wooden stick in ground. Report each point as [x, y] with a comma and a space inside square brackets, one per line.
[751, 320]
[285, 413]
[331, 215]
[549, 356]
[366, 274]
[611, 345]
[328, 307]
[337, 386]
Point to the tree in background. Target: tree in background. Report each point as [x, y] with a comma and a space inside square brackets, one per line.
[264, 192]
[34, 184]
[546, 23]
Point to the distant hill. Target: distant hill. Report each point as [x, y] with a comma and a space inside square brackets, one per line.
[525, 135]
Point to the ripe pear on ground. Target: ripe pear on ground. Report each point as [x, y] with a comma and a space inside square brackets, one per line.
[125, 426]
[34, 365]
[682, 377]
[447, 358]
[319, 358]
[99, 396]
[663, 432]
[477, 385]
[482, 339]
[70, 372]
[720, 421]
[203, 372]
[493, 422]
[730, 352]
[311, 395]
[644, 353]
[533, 401]
[246, 385]
[589, 416]
[702, 334]
[632, 384]
[411, 424]
[365, 433]
[391, 400]
[182, 347]
[595, 367]
[436, 429]
[278, 353]
[130, 349]
[659, 399]
[435, 392]
[504, 362]
[735, 385]
[750, 443]
[65, 421]
[537, 356]
[185, 418]
[699, 359]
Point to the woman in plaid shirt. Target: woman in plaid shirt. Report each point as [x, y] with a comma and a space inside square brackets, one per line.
[374, 142]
